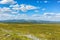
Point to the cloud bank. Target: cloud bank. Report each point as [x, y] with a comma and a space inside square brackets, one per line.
[45, 16]
[7, 2]
[13, 12]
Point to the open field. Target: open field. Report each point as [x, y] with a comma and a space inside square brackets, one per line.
[29, 31]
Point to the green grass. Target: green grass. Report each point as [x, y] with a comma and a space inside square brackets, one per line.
[29, 31]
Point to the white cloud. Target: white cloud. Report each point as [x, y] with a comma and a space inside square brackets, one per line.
[8, 13]
[43, 9]
[45, 16]
[6, 16]
[36, 10]
[23, 7]
[14, 12]
[5, 10]
[7, 2]
[45, 1]
[52, 16]
[8, 10]
[16, 8]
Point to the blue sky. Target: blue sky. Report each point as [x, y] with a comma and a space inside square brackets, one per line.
[48, 10]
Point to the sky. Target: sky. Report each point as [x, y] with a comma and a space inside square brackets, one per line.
[48, 10]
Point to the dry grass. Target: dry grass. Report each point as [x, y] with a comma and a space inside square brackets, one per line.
[36, 31]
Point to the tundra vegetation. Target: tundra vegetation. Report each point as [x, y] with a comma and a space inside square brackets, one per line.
[29, 31]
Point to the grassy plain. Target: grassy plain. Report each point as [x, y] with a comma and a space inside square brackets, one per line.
[29, 31]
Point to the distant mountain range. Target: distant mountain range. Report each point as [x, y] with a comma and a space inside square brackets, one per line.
[28, 21]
